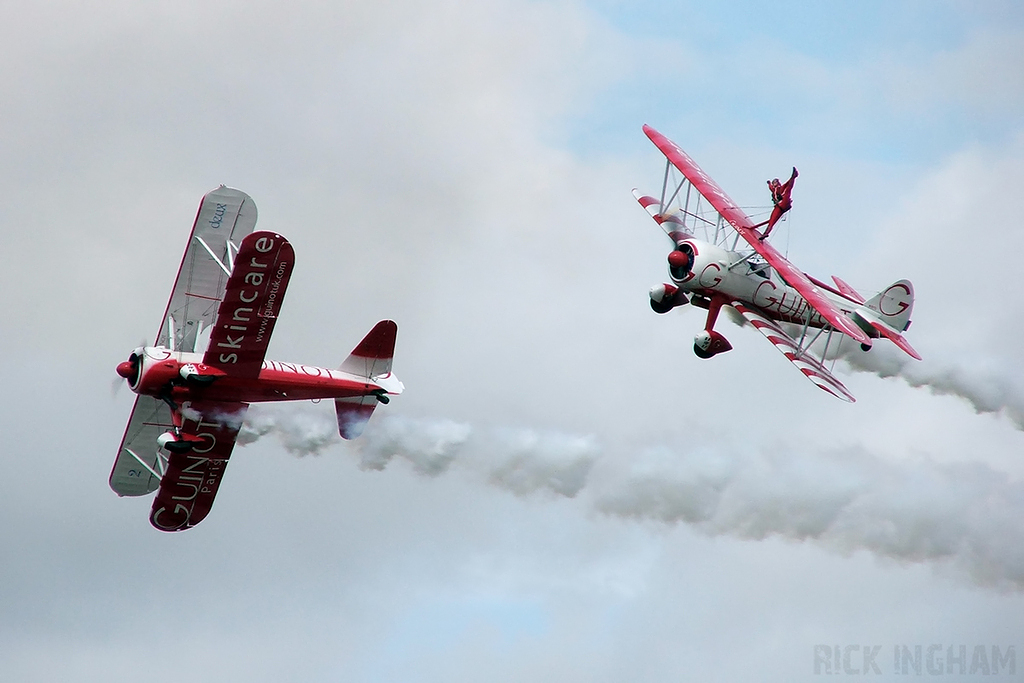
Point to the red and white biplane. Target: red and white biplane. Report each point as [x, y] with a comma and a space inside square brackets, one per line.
[805, 318]
[208, 365]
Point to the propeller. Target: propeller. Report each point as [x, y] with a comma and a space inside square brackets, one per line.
[128, 371]
[680, 261]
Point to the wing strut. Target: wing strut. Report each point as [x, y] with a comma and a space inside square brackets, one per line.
[159, 463]
[797, 353]
[232, 249]
[227, 271]
[225, 216]
[171, 343]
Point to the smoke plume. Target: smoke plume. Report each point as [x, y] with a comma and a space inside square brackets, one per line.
[987, 392]
[963, 517]
[522, 461]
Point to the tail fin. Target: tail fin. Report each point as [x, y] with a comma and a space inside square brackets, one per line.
[887, 314]
[371, 361]
[373, 356]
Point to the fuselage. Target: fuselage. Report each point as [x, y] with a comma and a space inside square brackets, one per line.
[733, 276]
[181, 376]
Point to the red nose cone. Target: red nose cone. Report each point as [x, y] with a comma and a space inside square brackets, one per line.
[678, 259]
[125, 369]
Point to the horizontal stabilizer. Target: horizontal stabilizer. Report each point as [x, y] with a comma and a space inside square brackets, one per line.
[848, 291]
[353, 414]
[896, 338]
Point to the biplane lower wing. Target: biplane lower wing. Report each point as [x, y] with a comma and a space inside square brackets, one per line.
[811, 367]
[140, 464]
[744, 226]
[192, 478]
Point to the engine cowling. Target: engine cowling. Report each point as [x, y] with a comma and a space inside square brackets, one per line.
[680, 261]
[154, 370]
[708, 343]
[159, 371]
[131, 369]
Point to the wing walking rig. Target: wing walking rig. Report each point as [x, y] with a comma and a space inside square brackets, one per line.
[720, 258]
[209, 363]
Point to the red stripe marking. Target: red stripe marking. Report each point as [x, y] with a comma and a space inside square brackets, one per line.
[200, 296]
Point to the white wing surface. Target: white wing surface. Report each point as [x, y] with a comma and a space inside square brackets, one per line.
[225, 217]
[139, 464]
[812, 368]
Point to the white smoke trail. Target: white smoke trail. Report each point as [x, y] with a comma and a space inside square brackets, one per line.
[300, 432]
[522, 461]
[965, 517]
[987, 392]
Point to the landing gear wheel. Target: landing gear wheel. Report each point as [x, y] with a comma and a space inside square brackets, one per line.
[179, 447]
[661, 306]
[702, 353]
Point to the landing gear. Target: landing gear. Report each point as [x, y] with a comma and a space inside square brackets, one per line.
[171, 442]
[382, 397]
[665, 297]
[661, 306]
[709, 343]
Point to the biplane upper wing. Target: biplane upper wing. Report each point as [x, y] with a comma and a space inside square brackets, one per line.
[252, 297]
[744, 226]
[812, 368]
[224, 218]
[191, 480]
[140, 463]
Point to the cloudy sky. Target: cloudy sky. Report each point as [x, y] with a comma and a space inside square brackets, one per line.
[564, 492]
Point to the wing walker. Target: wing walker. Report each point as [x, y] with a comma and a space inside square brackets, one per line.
[208, 364]
[720, 258]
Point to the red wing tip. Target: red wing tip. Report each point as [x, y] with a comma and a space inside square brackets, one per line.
[909, 350]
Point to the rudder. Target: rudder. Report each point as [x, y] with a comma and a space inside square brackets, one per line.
[371, 361]
[887, 314]
[894, 304]
[373, 355]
